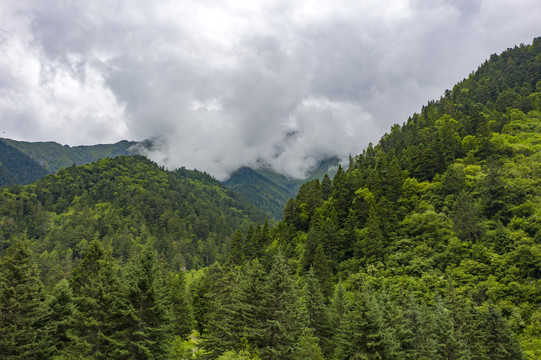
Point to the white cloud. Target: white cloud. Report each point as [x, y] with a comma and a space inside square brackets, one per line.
[230, 83]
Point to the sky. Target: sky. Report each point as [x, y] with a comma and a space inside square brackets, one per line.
[220, 84]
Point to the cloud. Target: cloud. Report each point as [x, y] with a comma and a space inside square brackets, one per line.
[220, 84]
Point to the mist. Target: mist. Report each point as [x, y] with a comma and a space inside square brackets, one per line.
[222, 84]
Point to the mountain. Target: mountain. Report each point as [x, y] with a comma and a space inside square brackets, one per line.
[53, 156]
[444, 209]
[269, 190]
[428, 246]
[124, 201]
[17, 168]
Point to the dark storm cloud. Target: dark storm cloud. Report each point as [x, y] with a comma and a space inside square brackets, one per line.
[220, 84]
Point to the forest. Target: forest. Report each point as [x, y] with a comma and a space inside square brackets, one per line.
[426, 246]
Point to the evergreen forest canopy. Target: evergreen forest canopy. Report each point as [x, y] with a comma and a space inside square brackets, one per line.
[427, 247]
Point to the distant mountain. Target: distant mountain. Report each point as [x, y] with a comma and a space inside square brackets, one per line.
[53, 156]
[17, 168]
[269, 190]
[25, 162]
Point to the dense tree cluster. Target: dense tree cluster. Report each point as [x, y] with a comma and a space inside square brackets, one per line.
[428, 246]
[188, 216]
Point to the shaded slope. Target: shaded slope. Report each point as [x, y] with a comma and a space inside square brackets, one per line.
[17, 168]
[269, 190]
[259, 190]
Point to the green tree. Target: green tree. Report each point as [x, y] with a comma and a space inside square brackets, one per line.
[308, 347]
[60, 306]
[22, 311]
[180, 305]
[315, 310]
[363, 333]
[250, 313]
[322, 271]
[100, 306]
[236, 250]
[500, 343]
[148, 324]
[282, 328]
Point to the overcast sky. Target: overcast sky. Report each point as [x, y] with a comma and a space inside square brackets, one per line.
[229, 83]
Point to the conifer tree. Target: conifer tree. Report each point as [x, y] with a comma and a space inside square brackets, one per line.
[308, 347]
[180, 305]
[100, 306]
[283, 323]
[363, 332]
[499, 341]
[60, 307]
[322, 271]
[417, 333]
[315, 310]
[326, 187]
[337, 306]
[236, 250]
[221, 332]
[21, 306]
[448, 339]
[248, 298]
[371, 240]
[148, 324]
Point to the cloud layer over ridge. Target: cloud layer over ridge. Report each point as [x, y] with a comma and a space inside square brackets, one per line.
[221, 84]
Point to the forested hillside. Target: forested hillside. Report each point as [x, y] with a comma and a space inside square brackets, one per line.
[269, 190]
[427, 247]
[17, 168]
[187, 215]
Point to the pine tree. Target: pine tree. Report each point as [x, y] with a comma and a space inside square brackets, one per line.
[337, 306]
[417, 333]
[100, 306]
[248, 299]
[236, 250]
[326, 187]
[60, 306]
[148, 324]
[322, 271]
[180, 305]
[448, 339]
[315, 310]
[221, 332]
[308, 347]
[283, 324]
[363, 333]
[22, 310]
[500, 343]
[371, 240]
[249, 248]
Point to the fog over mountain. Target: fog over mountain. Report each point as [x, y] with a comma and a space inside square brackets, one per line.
[221, 84]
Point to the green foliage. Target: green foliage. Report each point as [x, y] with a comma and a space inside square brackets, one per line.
[426, 247]
[60, 306]
[270, 191]
[22, 309]
[186, 215]
[16, 167]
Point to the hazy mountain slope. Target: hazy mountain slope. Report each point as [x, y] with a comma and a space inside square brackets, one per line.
[53, 156]
[269, 190]
[17, 168]
[259, 190]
